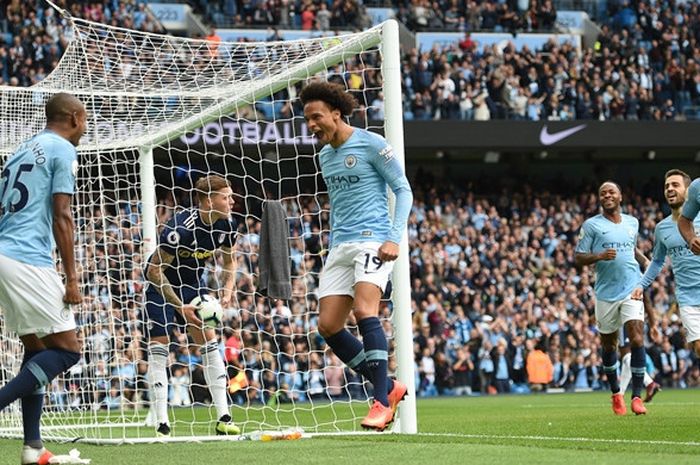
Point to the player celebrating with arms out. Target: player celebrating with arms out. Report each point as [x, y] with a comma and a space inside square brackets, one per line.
[609, 241]
[36, 188]
[174, 272]
[683, 246]
[357, 167]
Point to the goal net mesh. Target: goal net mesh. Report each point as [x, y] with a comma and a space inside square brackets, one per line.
[196, 108]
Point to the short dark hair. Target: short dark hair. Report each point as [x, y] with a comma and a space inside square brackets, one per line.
[677, 172]
[208, 184]
[333, 95]
[619, 189]
[61, 105]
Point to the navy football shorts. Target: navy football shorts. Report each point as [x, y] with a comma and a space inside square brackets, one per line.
[162, 317]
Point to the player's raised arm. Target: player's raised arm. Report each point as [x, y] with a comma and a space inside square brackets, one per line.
[63, 233]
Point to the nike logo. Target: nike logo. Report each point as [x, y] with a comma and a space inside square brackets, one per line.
[667, 237]
[604, 232]
[549, 139]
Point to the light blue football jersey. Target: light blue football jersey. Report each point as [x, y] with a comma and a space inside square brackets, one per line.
[686, 265]
[357, 174]
[42, 166]
[615, 279]
[691, 207]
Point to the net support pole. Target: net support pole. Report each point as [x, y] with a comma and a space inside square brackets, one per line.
[391, 70]
[148, 202]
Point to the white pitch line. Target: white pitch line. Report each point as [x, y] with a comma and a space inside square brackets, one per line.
[565, 439]
[598, 404]
[513, 437]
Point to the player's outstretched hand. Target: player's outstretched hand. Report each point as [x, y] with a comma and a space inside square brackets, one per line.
[388, 252]
[72, 295]
[608, 254]
[695, 245]
[189, 313]
[637, 293]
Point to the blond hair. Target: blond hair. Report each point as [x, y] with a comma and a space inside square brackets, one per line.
[208, 184]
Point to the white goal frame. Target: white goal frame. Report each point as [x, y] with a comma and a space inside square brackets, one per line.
[386, 36]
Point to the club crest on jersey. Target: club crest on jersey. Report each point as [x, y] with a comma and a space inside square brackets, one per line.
[173, 237]
[630, 231]
[350, 161]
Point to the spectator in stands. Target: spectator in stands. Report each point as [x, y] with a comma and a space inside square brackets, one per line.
[539, 367]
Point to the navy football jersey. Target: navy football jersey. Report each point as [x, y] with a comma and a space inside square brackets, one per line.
[192, 242]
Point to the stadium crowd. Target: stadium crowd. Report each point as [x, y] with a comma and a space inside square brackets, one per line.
[33, 36]
[418, 15]
[645, 65]
[498, 305]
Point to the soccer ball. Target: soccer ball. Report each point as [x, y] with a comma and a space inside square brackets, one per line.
[209, 310]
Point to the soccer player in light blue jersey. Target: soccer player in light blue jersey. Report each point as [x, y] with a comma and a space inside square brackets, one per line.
[609, 240]
[357, 167]
[36, 187]
[671, 238]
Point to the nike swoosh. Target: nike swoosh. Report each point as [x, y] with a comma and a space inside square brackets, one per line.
[549, 139]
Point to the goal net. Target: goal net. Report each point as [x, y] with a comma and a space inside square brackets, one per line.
[164, 111]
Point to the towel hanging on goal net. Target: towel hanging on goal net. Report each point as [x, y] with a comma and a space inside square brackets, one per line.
[275, 275]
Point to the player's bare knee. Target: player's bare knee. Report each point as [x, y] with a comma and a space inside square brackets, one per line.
[160, 340]
[362, 312]
[696, 346]
[66, 340]
[32, 343]
[608, 342]
[74, 345]
[636, 340]
[329, 328]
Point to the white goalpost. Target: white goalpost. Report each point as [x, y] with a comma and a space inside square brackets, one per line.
[164, 111]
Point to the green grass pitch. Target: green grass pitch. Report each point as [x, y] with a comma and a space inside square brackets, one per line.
[569, 429]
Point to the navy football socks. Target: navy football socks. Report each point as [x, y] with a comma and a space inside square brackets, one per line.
[376, 356]
[31, 411]
[36, 373]
[638, 357]
[610, 368]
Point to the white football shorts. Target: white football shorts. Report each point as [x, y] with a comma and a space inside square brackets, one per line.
[611, 316]
[350, 263]
[31, 299]
[690, 316]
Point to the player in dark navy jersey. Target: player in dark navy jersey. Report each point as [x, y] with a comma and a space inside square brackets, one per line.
[174, 272]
